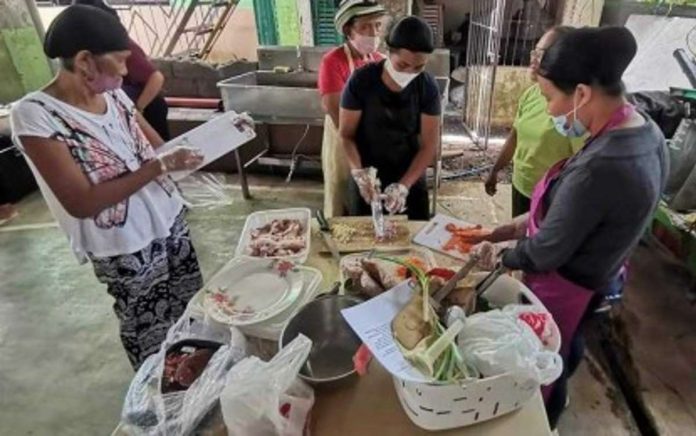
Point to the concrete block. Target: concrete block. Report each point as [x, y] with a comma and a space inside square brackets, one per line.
[188, 69]
[180, 88]
[236, 68]
[207, 89]
[165, 66]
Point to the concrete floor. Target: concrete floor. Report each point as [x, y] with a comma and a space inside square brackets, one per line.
[62, 368]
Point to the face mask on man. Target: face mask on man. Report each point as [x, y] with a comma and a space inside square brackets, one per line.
[401, 79]
[102, 82]
[365, 44]
[572, 130]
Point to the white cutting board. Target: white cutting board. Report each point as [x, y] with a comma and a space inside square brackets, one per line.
[434, 235]
[215, 138]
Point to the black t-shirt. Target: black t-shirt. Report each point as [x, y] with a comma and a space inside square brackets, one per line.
[387, 136]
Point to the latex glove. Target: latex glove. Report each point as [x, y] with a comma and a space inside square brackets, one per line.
[395, 201]
[487, 254]
[180, 158]
[245, 120]
[366, 179]
[491, 183]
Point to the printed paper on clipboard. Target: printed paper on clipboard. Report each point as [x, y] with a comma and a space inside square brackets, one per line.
[215, 138]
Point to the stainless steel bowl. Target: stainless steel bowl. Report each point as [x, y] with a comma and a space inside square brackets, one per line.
[333, 341]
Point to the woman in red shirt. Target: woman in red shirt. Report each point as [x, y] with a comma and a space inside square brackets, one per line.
[360, 21]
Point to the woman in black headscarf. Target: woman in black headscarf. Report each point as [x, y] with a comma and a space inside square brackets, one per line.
[589, 211]
[390, 121]
[144, 82]
[93, 155]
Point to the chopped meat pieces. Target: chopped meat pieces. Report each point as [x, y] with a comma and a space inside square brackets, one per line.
[280, 237]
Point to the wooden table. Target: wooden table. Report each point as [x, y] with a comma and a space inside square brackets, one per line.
[329, 267]
[368, 405]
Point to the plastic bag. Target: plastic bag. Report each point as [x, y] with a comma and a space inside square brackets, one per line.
[665, 110]
[498, 341]
[266, 398]
[147, 411]
[539, 321]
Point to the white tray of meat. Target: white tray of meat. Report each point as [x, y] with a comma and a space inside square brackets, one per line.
[277, 234]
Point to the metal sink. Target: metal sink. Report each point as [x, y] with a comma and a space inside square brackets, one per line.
[309, 58]
[268, 95]
[281, 97]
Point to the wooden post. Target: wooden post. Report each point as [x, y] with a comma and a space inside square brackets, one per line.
[304, 15]
[580, 13]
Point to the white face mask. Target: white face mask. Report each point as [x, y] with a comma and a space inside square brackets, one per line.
[401, 79]
[365, 44]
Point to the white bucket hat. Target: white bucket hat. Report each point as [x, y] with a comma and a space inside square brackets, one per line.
[355, 8]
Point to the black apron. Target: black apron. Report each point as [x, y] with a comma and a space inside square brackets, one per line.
[388, 139]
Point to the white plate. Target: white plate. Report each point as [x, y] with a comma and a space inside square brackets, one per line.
[251, 291]
[424, 255]
[270, 328]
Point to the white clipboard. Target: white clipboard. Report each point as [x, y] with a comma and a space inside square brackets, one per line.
[215, 139]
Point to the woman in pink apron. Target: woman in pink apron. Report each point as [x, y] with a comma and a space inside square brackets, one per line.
[589, 211]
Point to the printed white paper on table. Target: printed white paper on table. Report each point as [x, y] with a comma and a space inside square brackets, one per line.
[215, 138]
[371, 321]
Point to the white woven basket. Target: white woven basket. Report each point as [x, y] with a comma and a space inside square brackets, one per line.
[446, 406]
[261, 218]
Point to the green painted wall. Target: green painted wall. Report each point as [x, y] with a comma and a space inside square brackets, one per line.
[23, 66]
[26, 51]
[10, 83]
[288, 22]
[266, 27]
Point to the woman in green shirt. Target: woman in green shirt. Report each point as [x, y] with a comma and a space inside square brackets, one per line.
[533, 145]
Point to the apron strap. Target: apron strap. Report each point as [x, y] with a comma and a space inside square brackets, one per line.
[349, 55]
[351, 61]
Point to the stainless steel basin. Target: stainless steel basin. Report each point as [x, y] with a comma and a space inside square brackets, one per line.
[310, 57]
[333, 341]
[267, 95]
[270, 96]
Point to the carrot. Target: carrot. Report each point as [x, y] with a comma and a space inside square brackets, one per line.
[444, 273]
[403, 272]
[463, 238]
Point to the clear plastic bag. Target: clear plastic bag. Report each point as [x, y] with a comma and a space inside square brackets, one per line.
[147, 411]
[267, 398]
[498, 341]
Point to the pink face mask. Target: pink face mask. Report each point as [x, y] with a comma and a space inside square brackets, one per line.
[103, 82]
[364, 44]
